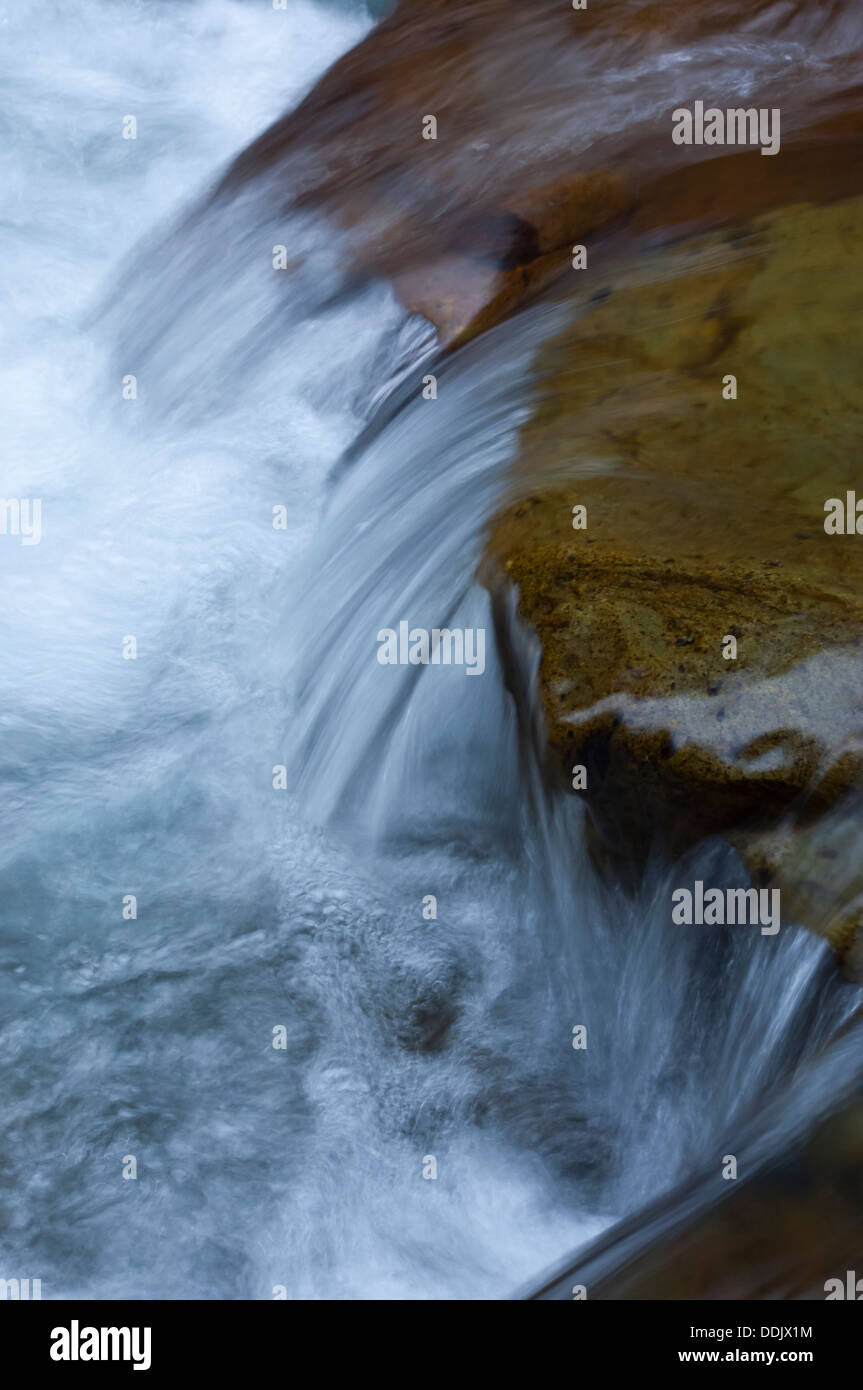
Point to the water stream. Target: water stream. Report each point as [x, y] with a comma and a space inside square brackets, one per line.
[296, 907]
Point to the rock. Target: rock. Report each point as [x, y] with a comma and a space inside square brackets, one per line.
[463, 299]
[814, 857]
[704, 520]
[536, 147]
[705, 514]
[781, 1232]
[509, 254]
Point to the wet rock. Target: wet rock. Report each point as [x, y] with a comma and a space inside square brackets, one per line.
[507, 256]
[538, 140]
[789, 1232]
[705, 513]
[704, 521]
[463, 299]
[814, 857]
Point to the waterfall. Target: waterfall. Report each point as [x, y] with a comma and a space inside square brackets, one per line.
[284, 808]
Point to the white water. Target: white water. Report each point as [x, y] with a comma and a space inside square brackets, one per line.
[153, 777]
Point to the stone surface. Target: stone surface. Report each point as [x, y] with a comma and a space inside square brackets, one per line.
[551, 127]
[704, 520]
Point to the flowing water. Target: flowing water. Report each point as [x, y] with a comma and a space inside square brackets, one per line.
[295, 907]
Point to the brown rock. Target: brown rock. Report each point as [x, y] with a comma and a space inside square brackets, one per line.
[537, 147]
[705, 519]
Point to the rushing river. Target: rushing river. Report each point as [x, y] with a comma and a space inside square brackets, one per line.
[262, 906]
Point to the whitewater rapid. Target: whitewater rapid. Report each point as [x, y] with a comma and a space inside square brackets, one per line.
[152, 1037]
[261, 908]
